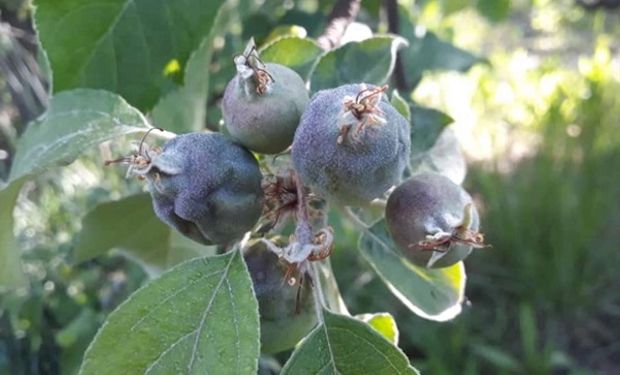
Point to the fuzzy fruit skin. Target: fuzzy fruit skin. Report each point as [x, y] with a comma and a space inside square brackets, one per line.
[281, 327]
[265, 123]
[423, 205]
[351, 174]
[206, 187]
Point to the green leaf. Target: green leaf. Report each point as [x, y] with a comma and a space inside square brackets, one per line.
[494, 10]
[200, 317]
[401, 105]
[426, 126]
[343, 345]
[185, 108]
[427, 52]
[383, 323]
[299, 54]
[369, 61]
[445, 157]
[74, 122]
[434, 294]
[124, 46]
[138, 232]
[11, 273]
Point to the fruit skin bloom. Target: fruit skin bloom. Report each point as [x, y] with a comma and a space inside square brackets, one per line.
[429, 204]
[206, 187]
[362, 165]
[265, 122]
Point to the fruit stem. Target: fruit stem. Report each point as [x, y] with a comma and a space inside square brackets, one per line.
[303, 235]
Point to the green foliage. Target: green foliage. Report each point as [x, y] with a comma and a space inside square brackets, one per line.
[11, 274]
[123, 46]
[137, 231]
[297, 53]
[369, 61]
[74, 122]
[343, 345]
[200, 317]
[433, 294]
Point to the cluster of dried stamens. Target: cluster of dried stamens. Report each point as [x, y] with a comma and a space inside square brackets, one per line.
[361, 112]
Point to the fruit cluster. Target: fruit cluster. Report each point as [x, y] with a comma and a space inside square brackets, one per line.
[348, 146]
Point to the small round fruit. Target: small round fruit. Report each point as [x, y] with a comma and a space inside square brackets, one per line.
[205, 186]
[284, 321]
[432, 221]
[351, 145]
[262, 104]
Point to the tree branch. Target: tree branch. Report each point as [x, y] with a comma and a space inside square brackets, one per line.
[341, 16]
[391, 9]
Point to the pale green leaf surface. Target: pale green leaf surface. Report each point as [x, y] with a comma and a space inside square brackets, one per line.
[299, 54]
[383, 323]
[370, 61]
[138, 232]
[121, 45]
[435, 294]
[344, 345]
[11, 273]
[74, 122]
[200, 317]
[445, 158]
[401, 105]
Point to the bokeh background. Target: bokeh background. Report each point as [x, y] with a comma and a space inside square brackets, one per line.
[538, 119]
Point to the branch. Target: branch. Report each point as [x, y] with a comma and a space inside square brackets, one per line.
[391, 8]
[341, 16]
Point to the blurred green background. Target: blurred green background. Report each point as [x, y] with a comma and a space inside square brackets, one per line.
[539, 122]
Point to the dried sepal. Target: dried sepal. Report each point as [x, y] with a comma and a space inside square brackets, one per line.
[249, 66]
[359, 113]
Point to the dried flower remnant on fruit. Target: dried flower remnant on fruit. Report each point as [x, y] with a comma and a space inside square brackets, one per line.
[139, 160]
[461, 234]
[361, 112]
[249, 65]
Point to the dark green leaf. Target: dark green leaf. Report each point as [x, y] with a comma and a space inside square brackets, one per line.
[343, 345]
[426, 126]
[200, 317]
[11, 273]
[427, 52]
[123, 46]
[370, 61]
[494, 10]
[74, 122]
[137, 232]
[298, 54]
[401, 105]
[434, 294]
[184, 109]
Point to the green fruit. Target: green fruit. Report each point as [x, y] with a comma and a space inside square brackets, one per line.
[205, 186]
[262, 104]
[431, 217]
[284, 320]
[351, 145]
